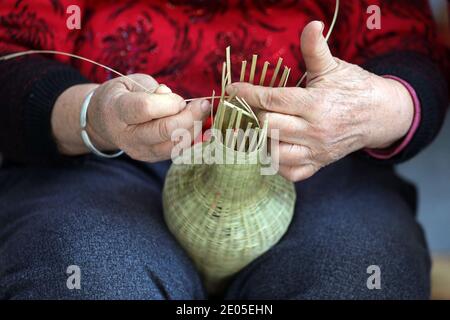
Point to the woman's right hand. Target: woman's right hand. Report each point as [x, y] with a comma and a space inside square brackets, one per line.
[122, 115]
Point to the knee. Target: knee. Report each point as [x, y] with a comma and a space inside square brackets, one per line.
[339, 247]
[84, 255]
[340, 261]
[368, 261]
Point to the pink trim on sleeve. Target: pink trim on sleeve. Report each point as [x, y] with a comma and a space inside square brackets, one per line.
[384, 154]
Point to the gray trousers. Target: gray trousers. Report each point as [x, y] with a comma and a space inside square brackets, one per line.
[105, 218]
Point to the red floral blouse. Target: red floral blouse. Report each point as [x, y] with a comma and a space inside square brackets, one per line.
[182, 43]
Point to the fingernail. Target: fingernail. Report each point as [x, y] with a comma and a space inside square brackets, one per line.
[205, 106]
[162, 88]
[323, 27]
[183, 105]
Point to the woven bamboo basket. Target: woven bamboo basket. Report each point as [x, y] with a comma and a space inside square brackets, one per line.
[226, 215]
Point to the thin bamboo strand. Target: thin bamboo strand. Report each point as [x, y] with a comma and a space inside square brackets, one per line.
[244, 138]
[275, 73]
[232, 106]
[287, 78]
[333, 22]
[253, 143]
[232, 119]
[243, 69]
[224, 77]
[283, 77]
[233, 140]
[251, 110]
[212, 106]
[29, 52]
[228, 55]
[204, 98]
[221, 115]
[231, 126]
[236, 127]
[238, 119]
[221, 109]
[263, 136]
[228, 138]
[263, 73]
[253, 68]
[244, 105]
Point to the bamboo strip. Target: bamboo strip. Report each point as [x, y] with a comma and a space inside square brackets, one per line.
[232, 119]
[228, 55]
[263, 73]
[246, 108]
[287, 78]
[230, 128]
[244, 139]
[212, 106]
[221, 115]
[224, 66]
[24, 53]
[238, 119]
[232, 106]
[236, 127]
[263, 137]
[253, 143]
[203, 98]
[283, 77]
[253, 68]
[275, 73]
[251, 110]
[233, 140]
[243, 69]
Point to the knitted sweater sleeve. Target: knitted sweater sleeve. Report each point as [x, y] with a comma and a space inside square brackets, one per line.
[31, 84]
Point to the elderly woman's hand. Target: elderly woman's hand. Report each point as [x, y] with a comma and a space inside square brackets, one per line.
[342, 109]
[122, 115]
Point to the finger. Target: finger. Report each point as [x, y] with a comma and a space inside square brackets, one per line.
[200, 109]
[294, 101]
[315, 50]
[293, 154]
[145, 83]
[290, 129]
[163, 150]
[154, 153]
[161, 130]
[297, 173]
[141, 107]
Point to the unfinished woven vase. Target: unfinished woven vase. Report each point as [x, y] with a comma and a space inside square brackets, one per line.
[226, 215]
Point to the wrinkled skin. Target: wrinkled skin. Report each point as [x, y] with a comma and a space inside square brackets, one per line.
[123, 115]
[343, 108]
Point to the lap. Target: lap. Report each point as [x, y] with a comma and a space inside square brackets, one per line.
[106, 218]
[351, 215]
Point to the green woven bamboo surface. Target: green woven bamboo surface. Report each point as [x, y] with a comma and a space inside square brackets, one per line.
[226, 215]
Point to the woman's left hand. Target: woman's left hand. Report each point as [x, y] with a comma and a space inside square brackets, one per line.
[342, 109]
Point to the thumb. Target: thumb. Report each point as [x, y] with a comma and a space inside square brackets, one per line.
[315, 50]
